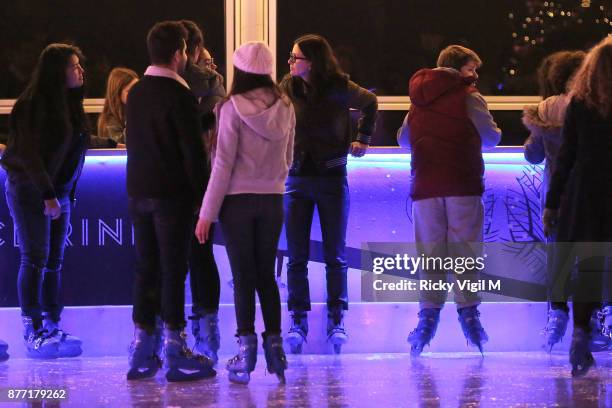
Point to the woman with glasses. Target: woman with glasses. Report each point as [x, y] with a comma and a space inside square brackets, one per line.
[322, 96]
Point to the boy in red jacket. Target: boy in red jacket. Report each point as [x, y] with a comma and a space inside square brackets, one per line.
[447, 127]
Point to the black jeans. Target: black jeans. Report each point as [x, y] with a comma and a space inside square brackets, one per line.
[204, 276]
[331, 197]
[589, 289]
[41, 246]
[251, 225]
[162, 233]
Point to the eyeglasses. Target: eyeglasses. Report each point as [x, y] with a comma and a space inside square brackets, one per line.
[293, 58]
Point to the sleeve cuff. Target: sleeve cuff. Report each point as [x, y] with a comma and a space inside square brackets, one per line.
[49, 195]
[365, 139]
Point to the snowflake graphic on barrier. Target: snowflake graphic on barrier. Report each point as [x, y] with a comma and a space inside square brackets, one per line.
[523, 214]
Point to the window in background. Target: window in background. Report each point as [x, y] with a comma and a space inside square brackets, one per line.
[111, 33]
[381, 43]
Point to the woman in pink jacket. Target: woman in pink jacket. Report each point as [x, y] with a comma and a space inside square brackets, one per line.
[252, 158]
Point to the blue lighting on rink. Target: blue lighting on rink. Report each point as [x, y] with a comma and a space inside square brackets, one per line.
[377, 156]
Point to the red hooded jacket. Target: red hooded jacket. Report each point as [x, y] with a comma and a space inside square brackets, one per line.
[446, 147]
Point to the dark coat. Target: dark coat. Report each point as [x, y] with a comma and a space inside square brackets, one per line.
[323, 130]
[584, 173]
[446, 147]
[165, 153]
[45, 149]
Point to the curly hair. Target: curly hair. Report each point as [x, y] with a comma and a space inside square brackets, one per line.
[556, 70]
[563, 68]
[592, 83]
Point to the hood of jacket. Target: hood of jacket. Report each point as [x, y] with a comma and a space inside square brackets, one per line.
[428, 85]
[264, 112]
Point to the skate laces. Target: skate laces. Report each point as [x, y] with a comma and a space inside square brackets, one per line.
[296, 325]
[39, 337]
[555, 323]
[602, 315]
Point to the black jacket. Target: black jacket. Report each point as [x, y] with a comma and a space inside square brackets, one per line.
[44, 148]
[207, 86]
[165, 156]
[583, 176]
[323, 131]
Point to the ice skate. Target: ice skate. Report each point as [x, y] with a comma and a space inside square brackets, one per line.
[205, 329]
[425, 330]
[600, 341]
[3, 351]
[275, 356]
[144, 359]
[69, 345]
[37, 340]
[555, 327]
[296, 336]
[469, 317]
[180, 363]
[336, 333]
[242, 364]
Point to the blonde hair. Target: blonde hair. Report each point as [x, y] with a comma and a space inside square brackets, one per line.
[118, 79]
[592, 84]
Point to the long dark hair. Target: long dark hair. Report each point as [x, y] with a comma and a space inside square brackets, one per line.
[47, 86]
[324, 70]
[246, 81]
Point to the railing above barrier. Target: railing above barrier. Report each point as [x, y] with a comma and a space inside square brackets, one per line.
[385, 103]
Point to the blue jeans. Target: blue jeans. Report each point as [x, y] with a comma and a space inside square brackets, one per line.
[162, 235]
[41, 246]
[331, 197]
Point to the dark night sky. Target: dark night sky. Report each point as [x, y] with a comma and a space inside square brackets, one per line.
[109, 32]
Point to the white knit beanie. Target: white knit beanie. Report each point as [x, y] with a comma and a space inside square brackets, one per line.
[254, 57]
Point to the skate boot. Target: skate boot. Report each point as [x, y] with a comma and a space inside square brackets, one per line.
[181, 364]
[241, 365]
[3, 354]
[599, 340]
[472, 329]
[580, 355]
[37, 340]
[143, 358]
[298, 332]
[606, 315]
[69, 345]
[205, 329]
[555, 327]
[425, 330]
[275, 356]
[336, 334]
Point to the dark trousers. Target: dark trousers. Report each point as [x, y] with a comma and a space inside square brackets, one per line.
[41, 246]
[162, 234]
[557, 290]
[589, 289]
[204, 276]
[251, 225]
[330, 195]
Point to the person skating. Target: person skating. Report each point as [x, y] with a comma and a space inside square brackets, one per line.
[447, 127]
